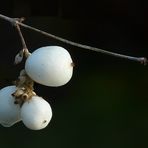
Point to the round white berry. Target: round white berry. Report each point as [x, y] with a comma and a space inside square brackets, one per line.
[9, 111]
[50, 66]
[36, 113]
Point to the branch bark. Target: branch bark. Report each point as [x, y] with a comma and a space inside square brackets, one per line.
[142, 60]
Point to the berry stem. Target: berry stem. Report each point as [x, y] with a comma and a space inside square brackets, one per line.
[142, 60]
[25, 49]
[21, 36]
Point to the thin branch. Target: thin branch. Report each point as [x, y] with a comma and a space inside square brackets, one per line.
[21, 36]
[24, 51]
[142, 60]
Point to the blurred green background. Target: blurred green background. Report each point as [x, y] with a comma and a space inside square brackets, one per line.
[105, 104]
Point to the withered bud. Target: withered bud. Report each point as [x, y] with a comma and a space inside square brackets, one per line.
[25, 97]
[18, 93]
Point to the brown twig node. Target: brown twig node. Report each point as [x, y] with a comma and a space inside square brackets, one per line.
[144, 61]
[20, 19]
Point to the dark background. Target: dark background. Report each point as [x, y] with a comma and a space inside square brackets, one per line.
[106, 103]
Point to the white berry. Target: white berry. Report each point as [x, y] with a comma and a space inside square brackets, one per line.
[9, 112]
[36, 113]
[50, 66]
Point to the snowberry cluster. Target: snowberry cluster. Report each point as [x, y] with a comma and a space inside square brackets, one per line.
[49, 66]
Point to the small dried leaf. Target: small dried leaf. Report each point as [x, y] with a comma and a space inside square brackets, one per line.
[18, 58]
